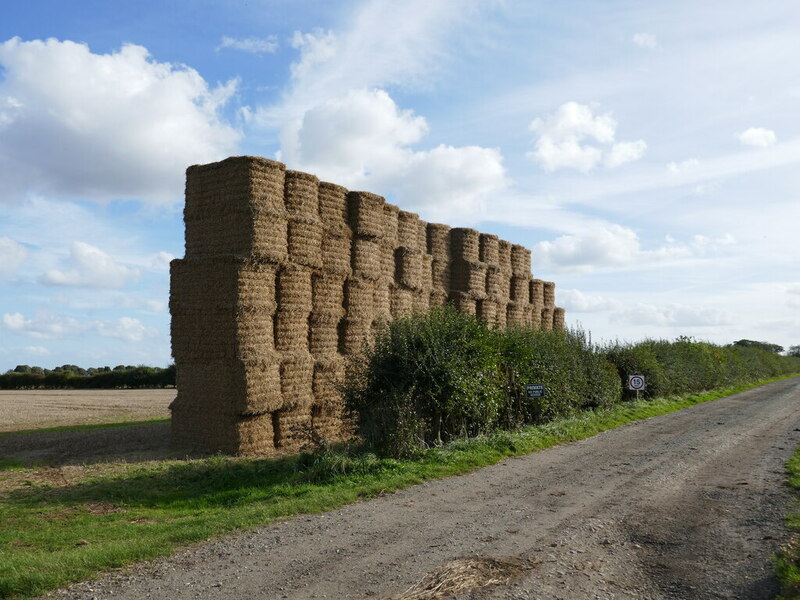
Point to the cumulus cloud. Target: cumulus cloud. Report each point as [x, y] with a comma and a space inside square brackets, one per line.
[645, 40]
[577, 301]
[103, 126]
[563, 140]
[757, 137]
[673, 315]
[12, 255]
[363, 140]
[90, 267]
[253, 45]
[50, 326]
[683, 166]
[618, 246]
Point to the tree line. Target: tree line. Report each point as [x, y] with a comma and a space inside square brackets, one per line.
[24, 377]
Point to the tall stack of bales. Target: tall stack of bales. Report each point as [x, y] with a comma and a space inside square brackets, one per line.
[285, 276]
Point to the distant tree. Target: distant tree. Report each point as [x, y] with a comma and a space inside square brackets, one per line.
[774, 348]
[22, 369]
[793, 351]
[37, 370]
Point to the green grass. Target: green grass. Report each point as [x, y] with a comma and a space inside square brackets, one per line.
[787, 562]
[85, 427]
[51, 536]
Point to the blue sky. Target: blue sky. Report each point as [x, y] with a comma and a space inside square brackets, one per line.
[648, 152]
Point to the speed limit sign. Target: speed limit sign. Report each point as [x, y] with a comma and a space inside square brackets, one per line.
[636, 382]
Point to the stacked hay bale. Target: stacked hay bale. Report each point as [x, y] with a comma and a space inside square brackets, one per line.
[284, 276]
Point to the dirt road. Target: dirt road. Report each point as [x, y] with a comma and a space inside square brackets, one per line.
[687, 505]
[36, 409]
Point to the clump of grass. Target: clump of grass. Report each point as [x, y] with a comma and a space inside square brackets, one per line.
[787, 561]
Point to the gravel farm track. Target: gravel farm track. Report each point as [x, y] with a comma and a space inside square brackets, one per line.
[682, 506]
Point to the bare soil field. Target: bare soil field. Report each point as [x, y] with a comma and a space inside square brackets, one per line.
[688, 505]
[37, 409]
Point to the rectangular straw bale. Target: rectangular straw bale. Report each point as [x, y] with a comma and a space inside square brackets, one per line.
[408, 268]
[391, 216]
[504, 256]
[228, 202]
[291, 330]
[297, 375]
[292, 429]
[438, 298]
[305, 241]
[440, 274]
[486, 311]
[537, 292]
[520, 260]
[271, 237]
[558, 319]
[438, 241]
[409, 228]
[387, 259]
[527, 314]
[293, 287]
[328, 378]
[194, 426]
[366, 214]
[254, 435]
[195, 337]
[494, 283]
[381, 299]
[366, 260]
[262, 380]
[520, 288]
[489, 249]
[421, 301]
[255, 334]
[536, 316]
[549, 293]
[515, 313]
[468, 277]
[546, 323]
[464, 244]
[301, 195]
[323, 333]
[402, 302]
[501, 314]
[354, 334]
[333, 208]
[336, 253]
[327, 293]
[464, 302]
[359, 298]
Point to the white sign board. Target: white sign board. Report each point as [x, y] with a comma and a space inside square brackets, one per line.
[636, 382]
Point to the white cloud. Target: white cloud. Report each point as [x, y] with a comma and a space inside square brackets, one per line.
[12, 255]
[680, 167]
[563, 136]
[757, 137]
[160, 262]
[577, 301]
[104, 126]
[50, 326]
[36, 350]
[91, 267]
[253, 45]
[362, 140]
[645, 40]
[679, 315]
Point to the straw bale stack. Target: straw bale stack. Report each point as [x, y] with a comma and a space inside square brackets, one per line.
[387, 258]
[501, 314]
[468, 277]
[549, 293]
[520, 288]
[301, 195]
[464, 302]
[408, 268]
[291, 330]
[333, 210]
[381, 300]
[489, 249]
[366, 214]
[291, 429]
[420, 301]
[464, 245]
[305, 241]
[411, 231]
[495, 287]
[520, 260]
[402, 301]
[504, 257]
[558, 319]
[328, 378]
[537, 292]
[440, 275]
[353, 334]
[515, 313]
[486, 311]
[293, 287]
[254, 435]
[367, 258]
[438, 298]
[323, 333]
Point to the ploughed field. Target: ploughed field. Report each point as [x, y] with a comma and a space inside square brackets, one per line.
[38, 409]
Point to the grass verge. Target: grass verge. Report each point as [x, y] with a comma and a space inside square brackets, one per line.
[787, 561]
[55, 534]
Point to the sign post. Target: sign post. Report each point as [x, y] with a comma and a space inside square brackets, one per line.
[636, 383]
[534, 390]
